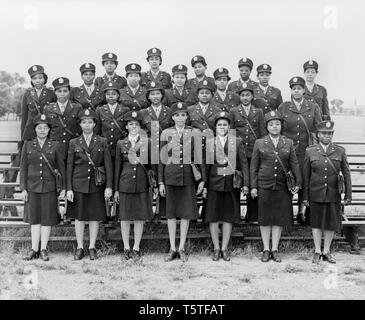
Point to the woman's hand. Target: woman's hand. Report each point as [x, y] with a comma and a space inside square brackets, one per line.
[205, 193]
[62, 195]
[155, 193]
[296, 189]
[253, 193]
[24, 195]
[306, 203]
[245, 190]
[200, 187]
[116, 197]
[108, 193]
[162, 190]
[70, 196]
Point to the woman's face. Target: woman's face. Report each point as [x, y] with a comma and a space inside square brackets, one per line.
[88, 77]
[246, 97]
[274, 127]
[133, 79]
[179, 79]
[110, 66]
[264, 78]
[62, 94]
[245, 72]
[325, 137]
[310, 74]
[133, 127]
[154, 62]
[42, 130]
[199, 69]
[204, 95]
[87, 125]
[180, 118]
[297, 92]
[38, 80]
[155, 96]
[221, 83]
[111, 96]
[222, 127]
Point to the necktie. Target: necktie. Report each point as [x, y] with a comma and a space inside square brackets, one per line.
[87, 140]
[62, 108]
[204, 109]
[247, 109]
[157, 111]
[89, 91]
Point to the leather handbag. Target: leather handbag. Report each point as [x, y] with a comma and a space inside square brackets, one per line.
[55, 173]
[237, 176]
[340, 178]
[99, 172]
[290, 179]
[312, 138]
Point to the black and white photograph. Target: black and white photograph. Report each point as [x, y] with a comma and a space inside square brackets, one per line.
[182, 155]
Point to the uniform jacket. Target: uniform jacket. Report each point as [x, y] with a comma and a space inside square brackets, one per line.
[230, 101]
[80, 172]
[129, 174]
[121, 81]
[29, 110]
[320, 179]
[70, 118]
[266, 171]
[220, 173]
[193, 83]
[234, 86]
[79, 95]
[164, 119]
[107, 128]
[293, 126]
[134, 102]
[176, 153]
[319, 96]
[239, 120]
[163, 77]
[202, 121]
[272, 98]
[35, 175]
[173, 96]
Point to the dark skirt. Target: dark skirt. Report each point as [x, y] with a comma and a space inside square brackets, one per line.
[135, 206]
[223, 206]
[326, 216]
[41, 208]
[181, 202]
[275, 208]
[87, 207]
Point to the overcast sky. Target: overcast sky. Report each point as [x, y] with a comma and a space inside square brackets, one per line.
[61, 35]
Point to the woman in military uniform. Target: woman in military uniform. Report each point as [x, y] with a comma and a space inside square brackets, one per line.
[64, 115]
[154, 58]
[131, 183]
[269, 94]
[110, 118]
[34, 100]
[248, 121]
[200, 67]
[315, 93]
[323, 163]
[39, 159]
[86, 190]
[222, 97]
[177, 178]
[300, 119]
[271, 154]
[180, 91]
[88, 94]
[133, 95]
[109, 61]
[245, 66]
[226, 154]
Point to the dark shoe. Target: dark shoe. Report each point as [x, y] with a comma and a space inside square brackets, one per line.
[92, 254]
[126, 254]
[275, 256]
[265, 256]
[44, 255]
[183, 255]
[316, 258]
[79, 254]
[225, 255]
[136, 255]
[328, 257]
[31, 255]
[216, 255]
[172, 256]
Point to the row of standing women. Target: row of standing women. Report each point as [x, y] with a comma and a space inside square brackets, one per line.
[91, 158]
